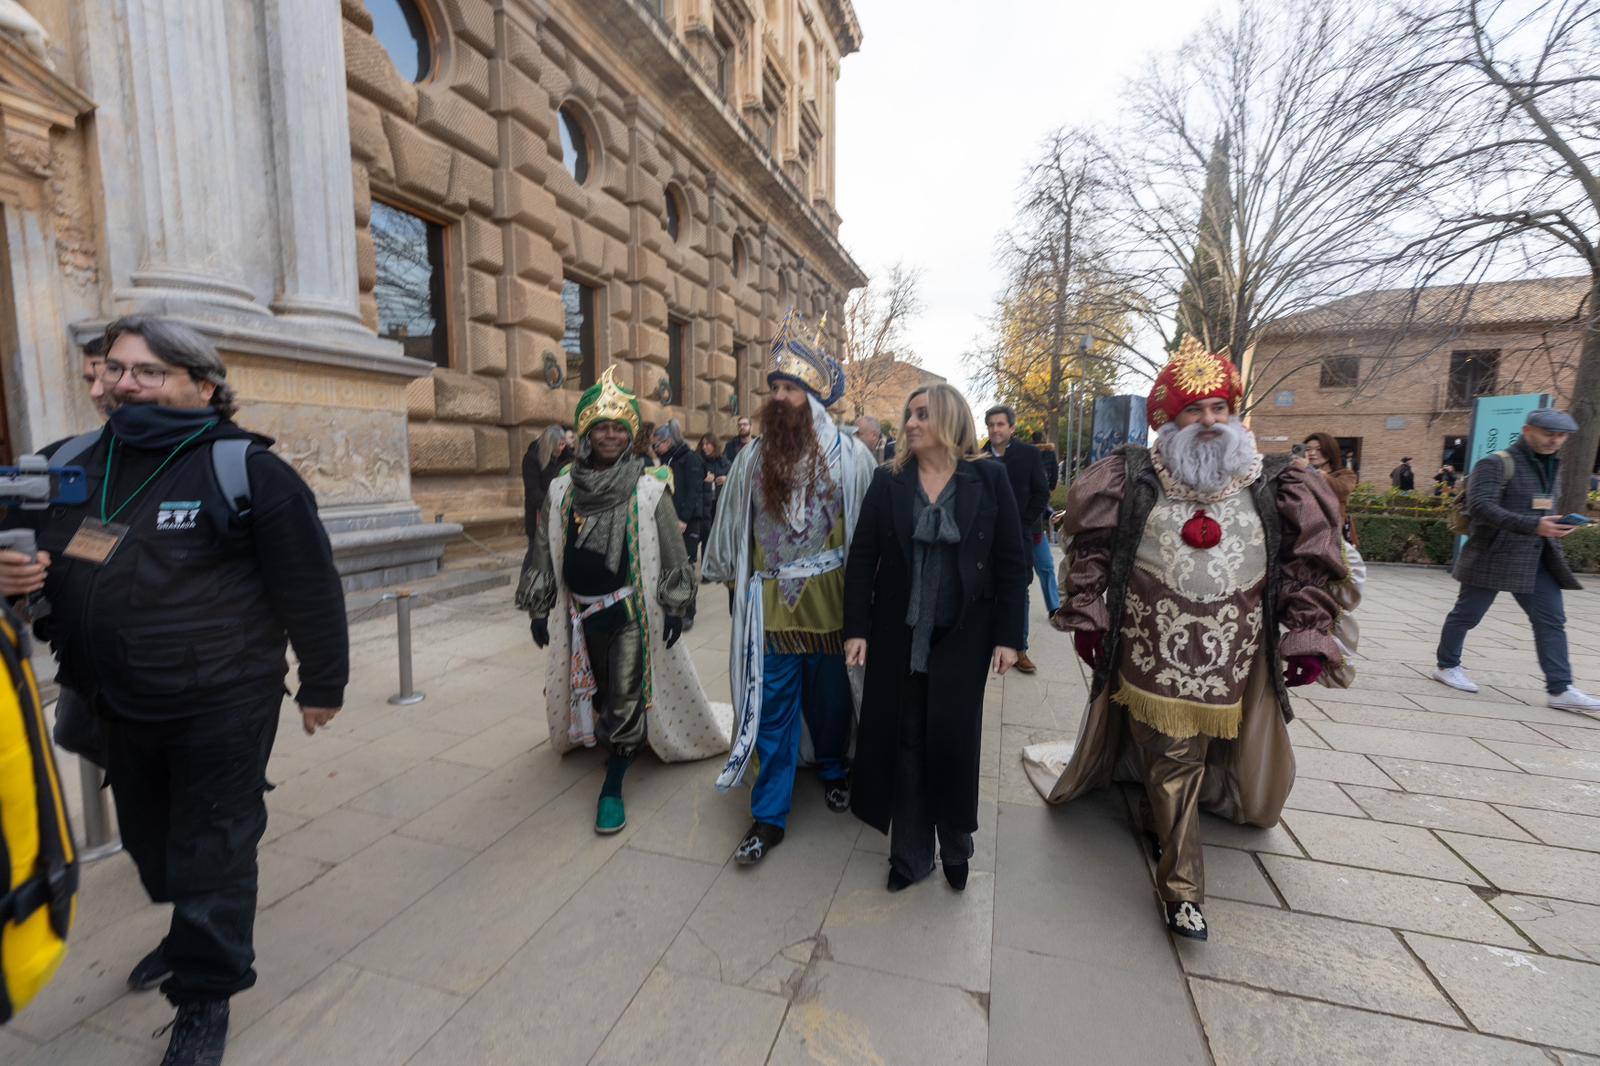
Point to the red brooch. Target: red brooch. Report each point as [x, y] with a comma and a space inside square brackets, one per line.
[1202, 531]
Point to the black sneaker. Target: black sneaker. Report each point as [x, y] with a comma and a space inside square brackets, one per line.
[151, 971]
[1185, 920]
[760, 839]
[836, 794]
[199, 1034]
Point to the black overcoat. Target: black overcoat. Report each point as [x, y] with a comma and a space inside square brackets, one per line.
[877, 592]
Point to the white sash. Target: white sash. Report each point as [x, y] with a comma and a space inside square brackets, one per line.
[580, 726]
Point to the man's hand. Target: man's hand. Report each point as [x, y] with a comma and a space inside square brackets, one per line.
[1058, 620]
[671, 630]
[1090, 646]
[722, 479]
[540, 628]
[1004, 659]
[1549, 526]
[855, 652]
[315, 718]
[20, 575]
[1302, 670]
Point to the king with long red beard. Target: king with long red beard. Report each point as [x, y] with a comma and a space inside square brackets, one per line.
[1195, 585]
[781, 535]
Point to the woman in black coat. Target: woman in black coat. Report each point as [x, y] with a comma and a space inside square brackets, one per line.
[935, 590]
[716, 476]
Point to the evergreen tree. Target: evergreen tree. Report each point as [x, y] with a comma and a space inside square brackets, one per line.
[1205, 303]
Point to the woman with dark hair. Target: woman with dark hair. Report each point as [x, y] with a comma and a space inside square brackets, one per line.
[543, 460]
[644, 445]
[1323, 455]
[934, 592]
[716, 476]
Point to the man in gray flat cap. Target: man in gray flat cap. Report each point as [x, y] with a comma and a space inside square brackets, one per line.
[1515, 546]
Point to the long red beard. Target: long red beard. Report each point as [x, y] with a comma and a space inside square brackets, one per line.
[789, 453]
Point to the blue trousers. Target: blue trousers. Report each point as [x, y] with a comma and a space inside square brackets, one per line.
[1044, 564]
[1544, 609]
[816, 686]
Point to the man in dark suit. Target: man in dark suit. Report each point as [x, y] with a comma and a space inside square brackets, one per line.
[1515, 547]
[1025, 469]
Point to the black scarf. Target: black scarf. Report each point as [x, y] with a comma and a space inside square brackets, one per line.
[152, 428]
[598, 498]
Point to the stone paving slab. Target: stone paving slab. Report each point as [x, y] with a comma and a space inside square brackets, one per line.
[1554, 827]
[1247, 1027]
[843, 1014]
[1305, 955]
[1377, 845]
[1557, 926]
[1515, 994]
[1434, 812]
[1535, 869]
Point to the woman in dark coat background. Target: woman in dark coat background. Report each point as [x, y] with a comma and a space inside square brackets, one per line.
[935, 589]
[716, 476]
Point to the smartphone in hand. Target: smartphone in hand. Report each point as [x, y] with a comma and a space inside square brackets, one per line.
[1574, 519]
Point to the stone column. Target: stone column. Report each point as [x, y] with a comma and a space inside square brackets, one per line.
[181, 99]
[311, 160]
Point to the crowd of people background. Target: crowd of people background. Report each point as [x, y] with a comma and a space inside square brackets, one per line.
[874, 585]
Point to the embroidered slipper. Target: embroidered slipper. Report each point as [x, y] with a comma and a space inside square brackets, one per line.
[760, 839]
[610, 817]
[1185, 920]
[836, 794]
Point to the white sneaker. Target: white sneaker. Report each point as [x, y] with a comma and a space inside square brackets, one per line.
[1575, 700]
[1456, 677]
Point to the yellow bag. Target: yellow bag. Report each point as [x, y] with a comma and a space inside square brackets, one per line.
[36, 854]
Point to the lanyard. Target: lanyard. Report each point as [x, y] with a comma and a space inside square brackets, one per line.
[1544, 468]
[111, 451]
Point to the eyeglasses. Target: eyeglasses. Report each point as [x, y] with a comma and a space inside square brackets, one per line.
[145, 375]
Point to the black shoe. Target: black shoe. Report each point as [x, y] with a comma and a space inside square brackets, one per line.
[836, 794]
[199, 1033]
[956, 874]
[760, 839]
[1185, 920]
[151, 971]
[898, 880]
[688, 623]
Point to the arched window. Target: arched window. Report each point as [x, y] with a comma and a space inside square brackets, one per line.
[574, 144]
[674, 212]
[740, 259]
[403, 32]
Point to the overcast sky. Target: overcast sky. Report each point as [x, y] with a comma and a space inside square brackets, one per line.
[939, 115]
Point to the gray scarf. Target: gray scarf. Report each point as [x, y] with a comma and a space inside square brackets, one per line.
[598, 499]
[934, 529]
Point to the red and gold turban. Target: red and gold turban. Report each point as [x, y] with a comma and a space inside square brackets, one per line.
[1192, 375]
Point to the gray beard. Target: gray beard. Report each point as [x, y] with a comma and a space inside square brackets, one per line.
[1206, 466]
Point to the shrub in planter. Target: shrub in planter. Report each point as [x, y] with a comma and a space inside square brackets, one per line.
[1403, 539]
[1583, 549]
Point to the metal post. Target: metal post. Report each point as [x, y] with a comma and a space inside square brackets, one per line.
[402, 616]
[98, 840]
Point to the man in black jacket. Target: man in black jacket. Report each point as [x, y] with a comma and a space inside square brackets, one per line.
[1515, 547]
[1025, 470]
[1403, 477]
[172, 608]
[736, 445]
[688, 496]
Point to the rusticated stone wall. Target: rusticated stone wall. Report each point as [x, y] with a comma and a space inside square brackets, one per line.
[475, 147]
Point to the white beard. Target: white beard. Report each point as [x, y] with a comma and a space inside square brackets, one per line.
[1206, 466]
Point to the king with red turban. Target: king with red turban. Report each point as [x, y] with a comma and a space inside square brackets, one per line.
[1196, 586]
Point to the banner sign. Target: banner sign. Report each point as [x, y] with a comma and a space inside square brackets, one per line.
[1118, 420]
[1497, 422]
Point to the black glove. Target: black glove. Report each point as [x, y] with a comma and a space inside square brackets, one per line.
[541, 631]
[671, 630]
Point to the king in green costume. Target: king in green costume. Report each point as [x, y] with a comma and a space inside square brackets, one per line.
[612, 561]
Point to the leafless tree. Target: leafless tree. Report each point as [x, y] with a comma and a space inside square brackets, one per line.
[1516, 160]
[875, 317]
[1063, 321]
[1294, 103]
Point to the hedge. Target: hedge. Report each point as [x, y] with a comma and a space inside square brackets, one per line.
[1406, 539]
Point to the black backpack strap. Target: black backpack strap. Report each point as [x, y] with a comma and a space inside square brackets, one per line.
[228, 462]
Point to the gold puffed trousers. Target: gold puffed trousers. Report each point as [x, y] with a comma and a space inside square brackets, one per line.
[1173, 773]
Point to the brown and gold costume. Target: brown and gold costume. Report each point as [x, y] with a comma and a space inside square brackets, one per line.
[1194, 652]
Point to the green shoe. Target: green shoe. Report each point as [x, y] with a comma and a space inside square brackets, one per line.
[611, 816]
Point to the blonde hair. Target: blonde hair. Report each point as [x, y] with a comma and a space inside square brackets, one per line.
[949, 420]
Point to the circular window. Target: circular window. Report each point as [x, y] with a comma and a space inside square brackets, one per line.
[403, 32]
[674, 217]
[739, 259]
[574, 145]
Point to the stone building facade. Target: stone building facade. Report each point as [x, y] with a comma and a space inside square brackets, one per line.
[1364, 370]
[224, 164]
[701, 211]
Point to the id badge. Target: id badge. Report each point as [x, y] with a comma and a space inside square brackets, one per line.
[1544, 503]
[94, 542]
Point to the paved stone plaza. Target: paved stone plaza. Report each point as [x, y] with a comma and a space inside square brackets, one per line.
[433, 893]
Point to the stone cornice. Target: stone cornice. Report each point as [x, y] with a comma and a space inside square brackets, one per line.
[842, 21]
[660, 57]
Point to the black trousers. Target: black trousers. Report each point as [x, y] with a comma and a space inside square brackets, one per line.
[911, 827]
[190, 802]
